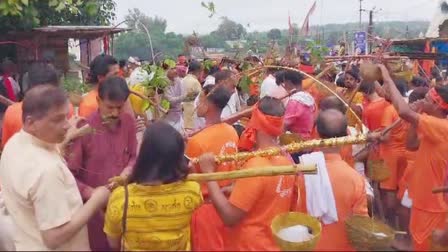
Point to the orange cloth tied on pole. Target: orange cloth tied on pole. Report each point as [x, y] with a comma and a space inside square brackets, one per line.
[271, 125]
[438, 99]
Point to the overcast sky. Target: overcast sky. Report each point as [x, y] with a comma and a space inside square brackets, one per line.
[184, 16]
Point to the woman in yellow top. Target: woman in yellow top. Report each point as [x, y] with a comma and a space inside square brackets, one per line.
[153, 211]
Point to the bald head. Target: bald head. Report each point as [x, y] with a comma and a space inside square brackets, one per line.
[331, 123]
[41, 99]
[271, 106]
[332, 102]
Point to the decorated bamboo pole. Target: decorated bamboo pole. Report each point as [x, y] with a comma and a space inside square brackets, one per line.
[238, 174]
[253, 172]
[291, 148]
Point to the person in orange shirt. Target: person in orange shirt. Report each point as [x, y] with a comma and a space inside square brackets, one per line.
[404, 242]
[217, 138]
[393, 151]
[374, 106]
[40, 73]
[372, 115]
[429, 211]
[254, 202]
[348, 186]
[101, 67]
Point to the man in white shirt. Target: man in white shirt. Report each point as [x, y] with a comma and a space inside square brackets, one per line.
[39, 191]
[269, 84]
[229, 79]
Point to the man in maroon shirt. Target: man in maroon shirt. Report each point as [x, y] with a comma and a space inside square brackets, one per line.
[109, 151]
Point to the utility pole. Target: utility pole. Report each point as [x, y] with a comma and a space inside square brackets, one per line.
[360, 14]
[370, 30]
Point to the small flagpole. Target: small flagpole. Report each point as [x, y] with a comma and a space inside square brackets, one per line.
[289, 29]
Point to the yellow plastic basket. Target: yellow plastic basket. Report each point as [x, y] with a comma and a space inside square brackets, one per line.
[368, 234]
[291, 219]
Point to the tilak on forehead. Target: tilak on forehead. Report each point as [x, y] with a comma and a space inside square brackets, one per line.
[271, 125]
[438, 99]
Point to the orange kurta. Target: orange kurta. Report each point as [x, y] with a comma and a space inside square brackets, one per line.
[218, 139]
[403, 183]
[372, 116]
[89, 103]
[350, 196]
[431, 161]
[208, 230]
[13, 123]
[393, 151]
[311, 87]
[262, 199]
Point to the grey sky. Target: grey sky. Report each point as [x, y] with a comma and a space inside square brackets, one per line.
[184, 16]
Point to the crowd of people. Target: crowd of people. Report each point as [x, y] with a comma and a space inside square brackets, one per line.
[56, 191]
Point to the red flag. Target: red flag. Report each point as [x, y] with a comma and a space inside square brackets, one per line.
[306, 24]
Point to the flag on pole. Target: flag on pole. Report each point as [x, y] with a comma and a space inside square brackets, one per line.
[306, 24]
[291, 29]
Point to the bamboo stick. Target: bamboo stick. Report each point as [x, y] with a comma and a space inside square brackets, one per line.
[383, 133]
[253, 172]
[337, 58]
[291, 148]
[440, 189]
[238, 174]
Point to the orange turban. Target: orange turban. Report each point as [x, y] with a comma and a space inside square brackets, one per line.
[438, 99]
[271, 125]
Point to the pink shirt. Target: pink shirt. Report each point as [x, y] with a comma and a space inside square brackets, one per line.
[97, 157]
[299, 114]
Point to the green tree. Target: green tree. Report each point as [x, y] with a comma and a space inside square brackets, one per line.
[212, 40]
[275, 34]
[22, 15]
[230, 30]
[135, 18]
[136, 42]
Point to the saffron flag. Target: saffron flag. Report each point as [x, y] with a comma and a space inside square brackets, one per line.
[306, 24]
